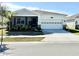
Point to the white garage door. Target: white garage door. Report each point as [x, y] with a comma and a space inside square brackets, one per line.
[52, 26]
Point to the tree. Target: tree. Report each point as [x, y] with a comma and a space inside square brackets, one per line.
[4, 14]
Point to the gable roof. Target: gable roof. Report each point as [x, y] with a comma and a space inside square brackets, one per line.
[75, 16]
[24, 12]
[47, 12]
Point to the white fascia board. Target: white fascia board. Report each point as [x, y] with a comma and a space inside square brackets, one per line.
[25, 15]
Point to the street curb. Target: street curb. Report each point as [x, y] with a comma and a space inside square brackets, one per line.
[53, 42]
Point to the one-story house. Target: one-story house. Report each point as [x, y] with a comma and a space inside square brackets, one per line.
[45, 19]
[75, 19]
[70, 22]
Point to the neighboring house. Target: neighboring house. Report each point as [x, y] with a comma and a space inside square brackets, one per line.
[76, 20]
[70, 22]
[46, 19]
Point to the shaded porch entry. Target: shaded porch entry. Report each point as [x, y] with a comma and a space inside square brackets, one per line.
[23, 23]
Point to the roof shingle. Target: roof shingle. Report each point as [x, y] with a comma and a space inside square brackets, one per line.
[47, 12]
[24, 12]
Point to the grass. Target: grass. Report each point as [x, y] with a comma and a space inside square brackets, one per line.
[24, 39]
[75, 31]
[72, 29]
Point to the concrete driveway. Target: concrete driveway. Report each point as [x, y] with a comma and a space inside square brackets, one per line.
[59, 35]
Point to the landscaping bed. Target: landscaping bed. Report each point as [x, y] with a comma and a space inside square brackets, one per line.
[5, 32]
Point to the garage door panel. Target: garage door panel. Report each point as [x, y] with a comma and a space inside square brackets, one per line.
[51, 26]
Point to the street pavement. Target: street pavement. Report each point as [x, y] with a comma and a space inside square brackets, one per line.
[41, 49]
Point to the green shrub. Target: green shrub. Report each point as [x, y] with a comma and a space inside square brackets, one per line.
[21, 27]
[39, 28]
[26, 27]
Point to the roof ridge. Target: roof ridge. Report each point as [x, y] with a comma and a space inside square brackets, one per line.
[50, 12]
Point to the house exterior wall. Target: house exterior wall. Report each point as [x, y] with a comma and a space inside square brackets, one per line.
[54, 21]
[71, 25]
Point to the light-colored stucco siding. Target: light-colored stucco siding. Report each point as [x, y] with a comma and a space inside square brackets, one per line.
[56, 19]
[71, 25]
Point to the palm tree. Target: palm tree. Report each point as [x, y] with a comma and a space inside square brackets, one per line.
[4, 12]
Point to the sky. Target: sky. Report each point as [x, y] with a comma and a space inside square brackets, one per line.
[65, 7]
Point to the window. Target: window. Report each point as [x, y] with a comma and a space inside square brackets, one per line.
[18, 20]
[22, 21]
[64, 20]
[43, 22]
[51, 17]
[14, 21]
[51, 22]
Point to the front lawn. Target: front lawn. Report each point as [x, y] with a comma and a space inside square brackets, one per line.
[75, 31]
[24, 39]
